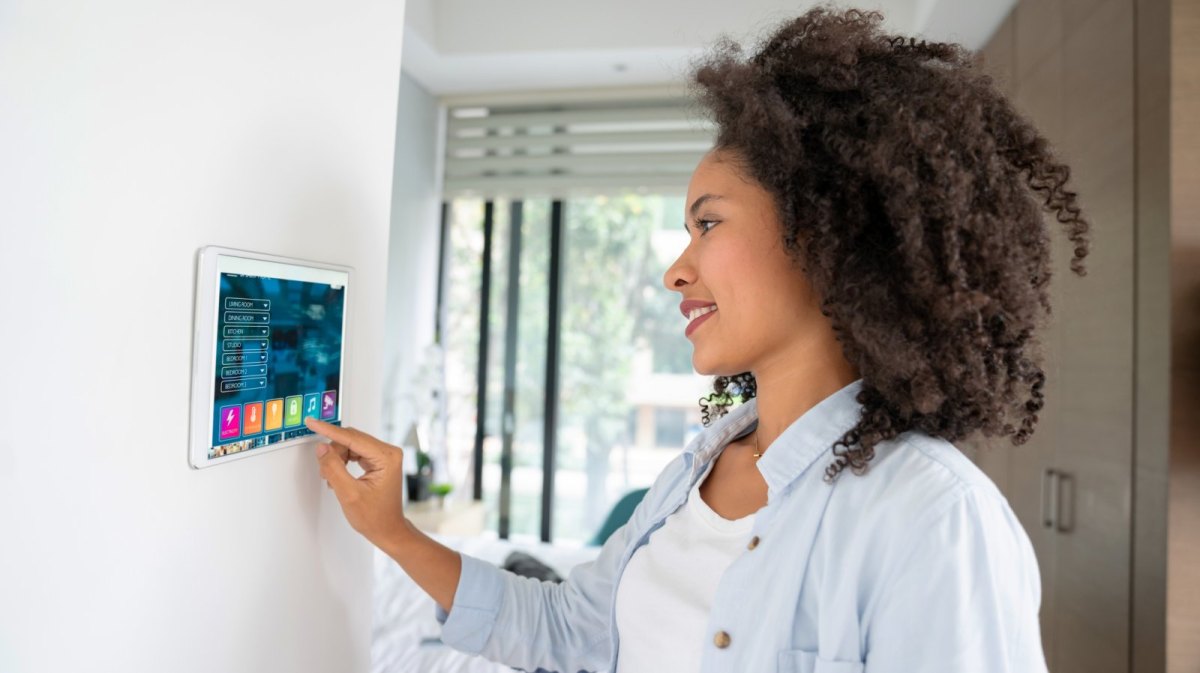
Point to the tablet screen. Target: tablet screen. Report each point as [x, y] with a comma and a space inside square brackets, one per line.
[278, 352]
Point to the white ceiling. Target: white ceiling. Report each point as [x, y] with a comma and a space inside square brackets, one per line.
[481, 46]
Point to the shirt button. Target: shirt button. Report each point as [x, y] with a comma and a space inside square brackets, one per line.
[753, 543]
[721, 640]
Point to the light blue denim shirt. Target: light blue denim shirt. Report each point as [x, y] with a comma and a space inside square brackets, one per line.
[919, 565]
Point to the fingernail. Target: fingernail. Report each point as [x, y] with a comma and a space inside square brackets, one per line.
[322, 449]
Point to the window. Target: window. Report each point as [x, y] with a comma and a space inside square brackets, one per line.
[561, 221]
[670, 426]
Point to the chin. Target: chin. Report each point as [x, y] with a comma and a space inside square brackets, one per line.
[707, 368]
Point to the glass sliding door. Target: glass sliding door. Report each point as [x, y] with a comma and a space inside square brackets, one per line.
[515, 372]
[462, 278]
[626, 400]
[627, 391]
[526, 366]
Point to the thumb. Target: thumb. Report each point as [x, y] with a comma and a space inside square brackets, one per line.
[334, 471]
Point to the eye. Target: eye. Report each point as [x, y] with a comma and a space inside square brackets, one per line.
[706, 225]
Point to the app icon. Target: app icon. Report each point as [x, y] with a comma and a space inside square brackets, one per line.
[291, 410]
[252, 418]
[274, 415]
[329, 404]
[311, 401]
[231, 421]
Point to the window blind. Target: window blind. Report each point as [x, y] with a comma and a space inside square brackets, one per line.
[548, 146]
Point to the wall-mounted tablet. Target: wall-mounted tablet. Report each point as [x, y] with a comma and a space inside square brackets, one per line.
[269, 351]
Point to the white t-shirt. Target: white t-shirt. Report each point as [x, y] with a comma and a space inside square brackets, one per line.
[662, 612]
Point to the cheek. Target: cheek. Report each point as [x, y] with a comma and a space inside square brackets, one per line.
[726, 269]
[756, 284]
[771, 294]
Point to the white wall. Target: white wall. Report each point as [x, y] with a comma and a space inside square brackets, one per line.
[412, 251]
[146, 130]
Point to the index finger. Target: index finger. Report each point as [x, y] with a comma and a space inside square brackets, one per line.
[348, 437]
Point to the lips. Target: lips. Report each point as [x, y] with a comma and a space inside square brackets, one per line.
[691, 305]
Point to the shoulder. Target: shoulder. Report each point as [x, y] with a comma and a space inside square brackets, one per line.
[922, 512]
[920, 500]
[914, 478]
[938, 543]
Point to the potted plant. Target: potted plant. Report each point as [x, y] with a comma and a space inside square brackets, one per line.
[418, 484]
[441, 491]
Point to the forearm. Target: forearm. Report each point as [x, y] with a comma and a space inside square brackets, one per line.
[433, 566]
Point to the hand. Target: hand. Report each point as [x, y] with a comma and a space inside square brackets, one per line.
[374, 502]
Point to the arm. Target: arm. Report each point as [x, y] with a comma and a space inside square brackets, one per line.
[433, 566]
[374, 506]
[965, 597]
[519, 621]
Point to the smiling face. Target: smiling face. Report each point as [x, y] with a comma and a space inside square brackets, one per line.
[766, 310]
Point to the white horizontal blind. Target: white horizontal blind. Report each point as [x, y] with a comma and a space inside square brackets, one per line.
[526, 147]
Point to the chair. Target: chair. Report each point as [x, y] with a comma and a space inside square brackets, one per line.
[618, 516]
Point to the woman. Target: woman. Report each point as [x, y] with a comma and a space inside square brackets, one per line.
[867, 265]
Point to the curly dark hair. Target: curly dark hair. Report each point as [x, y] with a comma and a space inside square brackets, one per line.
[908, 191]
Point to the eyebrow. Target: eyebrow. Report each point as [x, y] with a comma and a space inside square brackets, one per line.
[699, 202]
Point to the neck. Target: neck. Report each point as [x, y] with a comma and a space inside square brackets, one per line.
[791, 384]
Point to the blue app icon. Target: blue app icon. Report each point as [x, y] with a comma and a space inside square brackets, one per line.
[312, 405]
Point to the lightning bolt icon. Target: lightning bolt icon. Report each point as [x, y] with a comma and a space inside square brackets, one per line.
[229, 418]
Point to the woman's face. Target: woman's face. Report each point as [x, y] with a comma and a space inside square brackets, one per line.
[735, 260]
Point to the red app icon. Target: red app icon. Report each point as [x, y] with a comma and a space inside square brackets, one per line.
[252, 418]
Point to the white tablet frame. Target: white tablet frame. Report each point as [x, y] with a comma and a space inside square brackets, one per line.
[204, 352]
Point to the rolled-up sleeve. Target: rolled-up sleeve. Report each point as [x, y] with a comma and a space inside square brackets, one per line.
[530, 624]
[476, 602]
[965, 597]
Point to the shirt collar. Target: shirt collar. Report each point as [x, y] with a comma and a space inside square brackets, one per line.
[806, 439]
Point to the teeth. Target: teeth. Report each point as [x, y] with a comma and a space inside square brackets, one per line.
[697, 312]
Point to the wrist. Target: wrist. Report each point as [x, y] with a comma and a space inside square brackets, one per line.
[398, 539]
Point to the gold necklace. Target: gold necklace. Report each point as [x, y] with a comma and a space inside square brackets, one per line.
[757, 454]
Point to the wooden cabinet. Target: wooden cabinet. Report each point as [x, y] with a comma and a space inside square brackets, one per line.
[1070, 66]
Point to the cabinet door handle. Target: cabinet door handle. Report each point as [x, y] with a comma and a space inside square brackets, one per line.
[1064, 523]
[1049, 498]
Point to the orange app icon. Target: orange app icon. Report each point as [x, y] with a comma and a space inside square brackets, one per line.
[274, 414]
[252, 418]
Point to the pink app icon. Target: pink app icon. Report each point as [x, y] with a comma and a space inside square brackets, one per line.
[329, 404]
[231, 421]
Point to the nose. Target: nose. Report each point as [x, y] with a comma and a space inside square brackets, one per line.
[681, 273]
